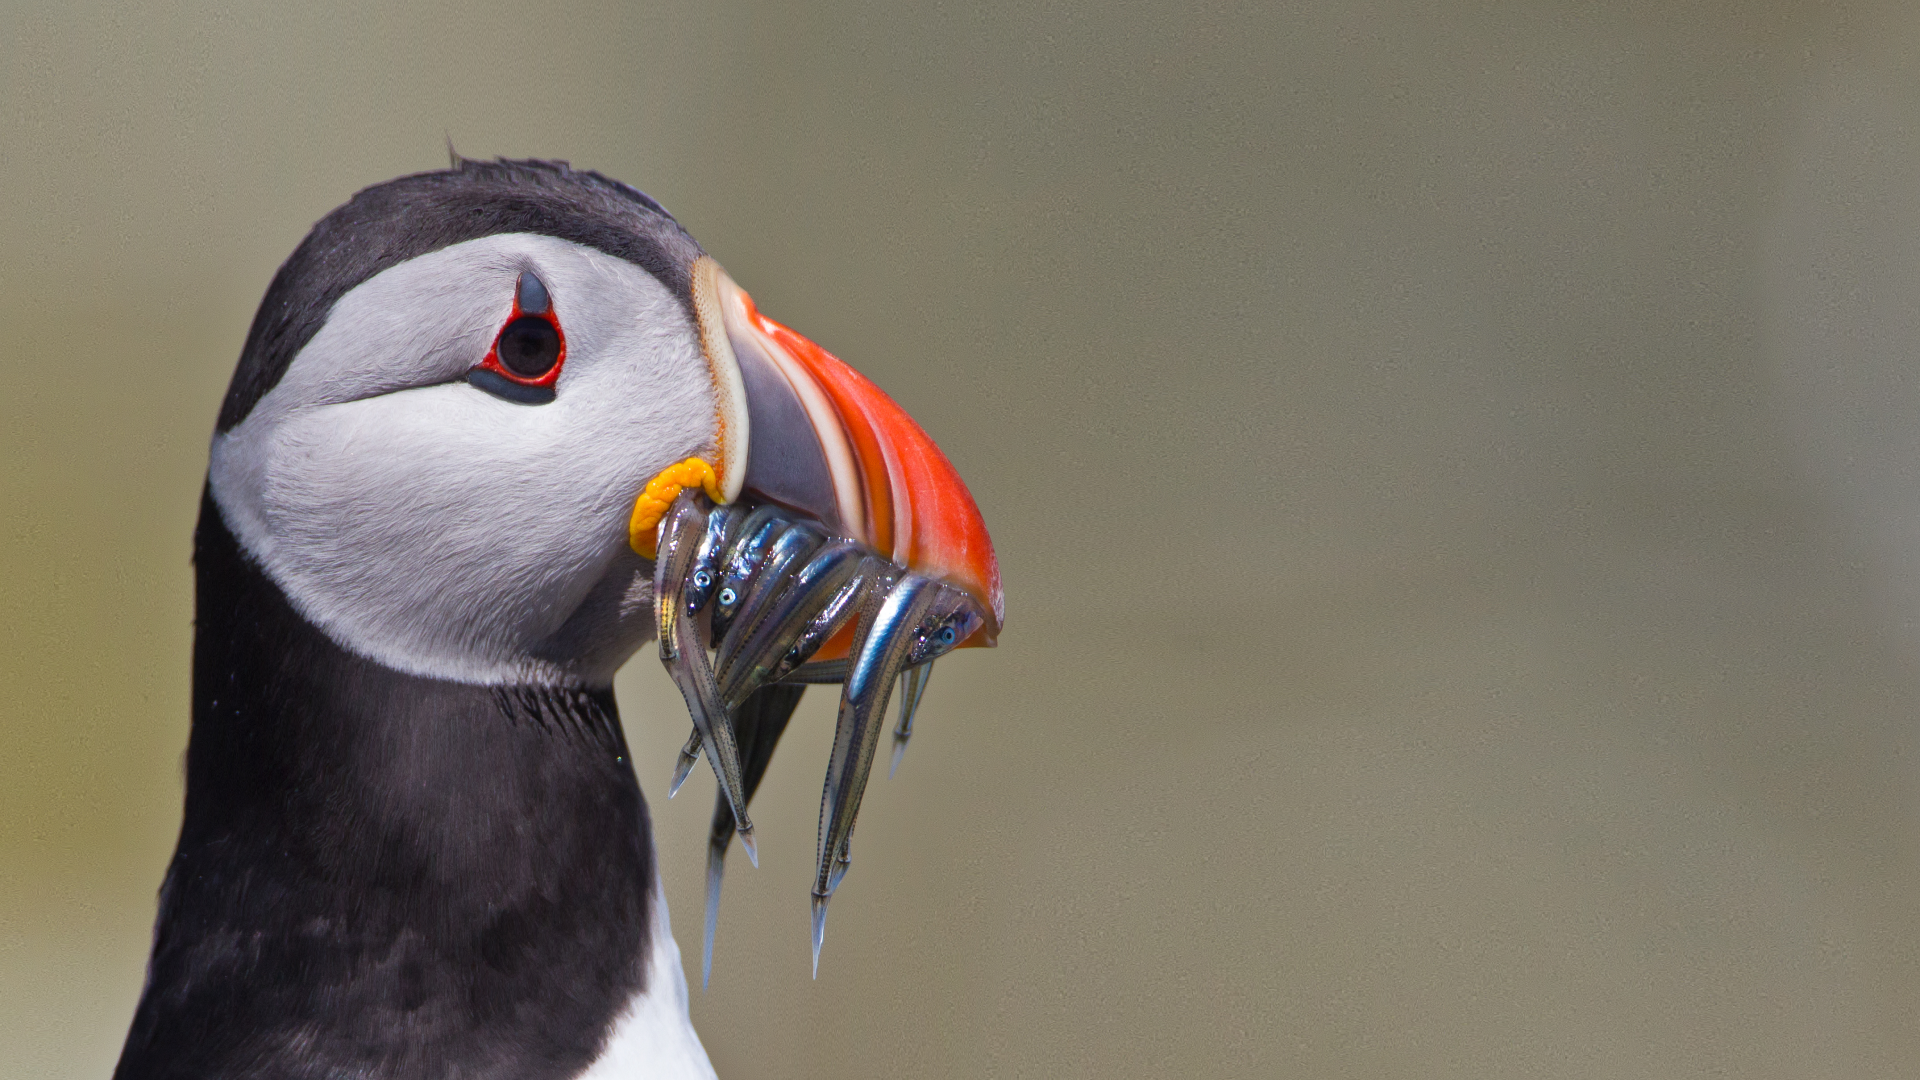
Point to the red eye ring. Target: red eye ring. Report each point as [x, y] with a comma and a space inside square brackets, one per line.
[492, 362]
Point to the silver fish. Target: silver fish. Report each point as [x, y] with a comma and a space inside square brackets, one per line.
[913, 684]
[766, 642]
[882, 639]
[763, 593]
[786, 555]
[702, 582]
[759, 723]
[684, 653]
[754, 536]
[874, 576]
[952, 616]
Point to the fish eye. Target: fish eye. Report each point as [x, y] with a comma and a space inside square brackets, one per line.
[702, 579]
[728, 596]
[946, 635]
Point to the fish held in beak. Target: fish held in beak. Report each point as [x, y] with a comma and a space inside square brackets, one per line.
[913, 684]
[829, 542]
[814, 435]
[684, 653]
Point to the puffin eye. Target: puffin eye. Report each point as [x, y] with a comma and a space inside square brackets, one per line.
[529, 347]
[525, 359]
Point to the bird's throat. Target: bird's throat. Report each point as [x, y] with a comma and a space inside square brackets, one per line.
[383, 873]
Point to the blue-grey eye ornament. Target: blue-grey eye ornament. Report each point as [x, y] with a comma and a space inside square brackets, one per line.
[528, 352]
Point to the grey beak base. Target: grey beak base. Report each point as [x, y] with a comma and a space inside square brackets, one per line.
[786, 464]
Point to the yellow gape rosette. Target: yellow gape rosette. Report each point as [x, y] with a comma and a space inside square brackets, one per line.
[643, 529]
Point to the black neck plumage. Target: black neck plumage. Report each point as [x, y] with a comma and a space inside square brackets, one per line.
[385, 875]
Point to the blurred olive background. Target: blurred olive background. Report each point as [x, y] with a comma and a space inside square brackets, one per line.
[1453, 465]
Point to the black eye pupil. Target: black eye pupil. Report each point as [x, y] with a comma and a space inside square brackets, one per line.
[529, 347]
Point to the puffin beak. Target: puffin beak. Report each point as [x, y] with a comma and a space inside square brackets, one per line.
[800, 428]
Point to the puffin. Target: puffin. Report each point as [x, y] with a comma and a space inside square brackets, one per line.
[413, 844]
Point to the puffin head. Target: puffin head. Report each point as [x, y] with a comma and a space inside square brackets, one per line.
[461, 381]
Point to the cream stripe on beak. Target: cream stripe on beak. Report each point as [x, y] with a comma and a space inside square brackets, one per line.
[733, 438]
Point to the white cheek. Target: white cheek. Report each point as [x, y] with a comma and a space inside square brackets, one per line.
[408, 526]
[448, 533]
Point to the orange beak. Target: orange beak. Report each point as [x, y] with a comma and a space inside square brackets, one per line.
[801, 428]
